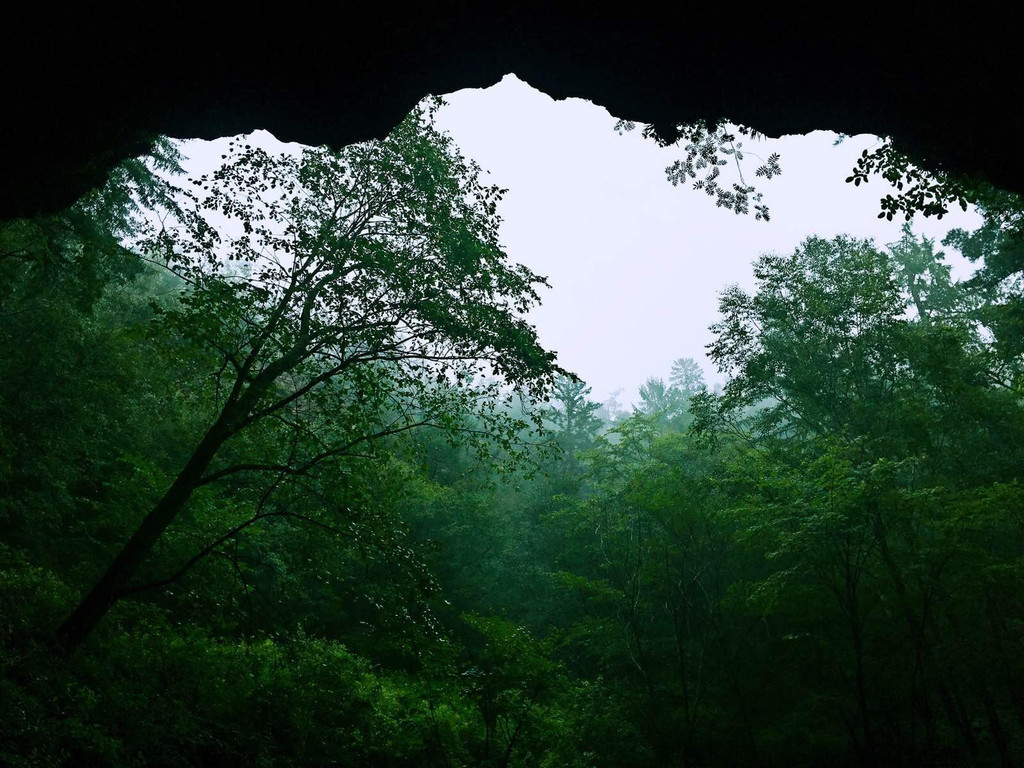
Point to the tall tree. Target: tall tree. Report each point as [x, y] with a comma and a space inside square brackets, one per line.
[573, 414]
[347, 297]
[871, 423]
[687, 377]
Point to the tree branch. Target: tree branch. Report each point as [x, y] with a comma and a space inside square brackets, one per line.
[220, 540]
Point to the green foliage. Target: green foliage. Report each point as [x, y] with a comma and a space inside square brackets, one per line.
[997, 246]
[822, 565]
[79, 251]
[929, 192]
[185, 699]
[687, 377]
[341, 298]
[863, 404]
[370, 277]
[574, 417]
[709, 147]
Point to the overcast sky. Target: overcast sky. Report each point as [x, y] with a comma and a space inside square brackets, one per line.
[636, 265]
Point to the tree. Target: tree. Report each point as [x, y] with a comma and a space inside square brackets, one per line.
[79, 250]
[870, 424]
[687, 377]
[574, 415]
[644, 548]
[814, 345]
[665, 404]
[997, 246]
[828, 345]
[345, 297]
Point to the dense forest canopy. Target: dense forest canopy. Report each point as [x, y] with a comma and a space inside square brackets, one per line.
[287, 479]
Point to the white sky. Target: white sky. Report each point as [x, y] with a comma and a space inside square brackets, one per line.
[635, 264]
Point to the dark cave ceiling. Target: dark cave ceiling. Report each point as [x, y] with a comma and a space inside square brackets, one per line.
[85, 86]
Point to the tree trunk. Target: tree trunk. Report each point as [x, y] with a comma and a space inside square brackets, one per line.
[868, 749]
[94, 606]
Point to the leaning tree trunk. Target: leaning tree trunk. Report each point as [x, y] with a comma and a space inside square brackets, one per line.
[94, 606]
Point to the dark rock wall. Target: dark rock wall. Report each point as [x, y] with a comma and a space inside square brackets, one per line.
[84, 86]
